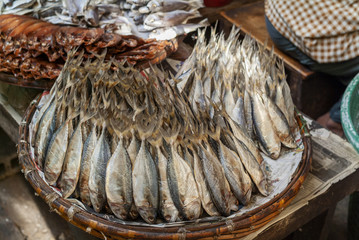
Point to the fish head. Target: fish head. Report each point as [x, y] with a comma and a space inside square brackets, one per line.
[263, 187]
[232, 203]
[194, 209]
[97, 206]
[163, 34]
[121, 210]
[133, 213]
[153, 20]
[148, 214]
[170, 214]
[153, 5]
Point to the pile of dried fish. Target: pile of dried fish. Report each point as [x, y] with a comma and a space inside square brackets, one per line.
[134, 143]
[162, 19]
[33, 49]
[147, 144]
[250, 84]
[159, 19]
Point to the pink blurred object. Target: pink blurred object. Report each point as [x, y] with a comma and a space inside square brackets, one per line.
[216, 3]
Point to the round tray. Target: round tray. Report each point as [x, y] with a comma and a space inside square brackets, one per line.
[231, 228]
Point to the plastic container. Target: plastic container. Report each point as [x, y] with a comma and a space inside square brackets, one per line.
[350, 112]
[216, 3]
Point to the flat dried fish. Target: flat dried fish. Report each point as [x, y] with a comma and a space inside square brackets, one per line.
[167, 207]
[85, 168]
[56, 154]
[183, 187]
[145, 185]
[44, 133]
[96, 184]
[203, 189]
[72, 163]
[119, 182]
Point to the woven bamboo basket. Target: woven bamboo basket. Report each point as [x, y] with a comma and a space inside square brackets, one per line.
[226, 228]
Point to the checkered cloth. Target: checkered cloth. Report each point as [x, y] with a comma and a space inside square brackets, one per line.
[325, 30]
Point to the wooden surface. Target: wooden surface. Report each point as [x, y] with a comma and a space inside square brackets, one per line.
[250, 18]
[37, 84]
[307, 213]
[213, 14]
[9, 119]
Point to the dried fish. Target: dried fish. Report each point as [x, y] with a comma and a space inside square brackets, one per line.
[85, 168]
[183, 187]
[239, 180]
[96, 184]
[174, 31]
[169, 19]
[56, 154]
[177, 144]
[145, 185]
[263, 126]
[53, 42]
[171, 5]
[203, 189]
[280, 123]
[252, 166]
[119, 182]
[167, 206]
[72, 163]
[216, 181]
[44, 133]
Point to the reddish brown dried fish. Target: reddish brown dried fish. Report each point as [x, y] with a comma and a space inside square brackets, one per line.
[34, 49]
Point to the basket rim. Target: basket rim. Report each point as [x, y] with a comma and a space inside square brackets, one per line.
[346, 113]
[100, 227]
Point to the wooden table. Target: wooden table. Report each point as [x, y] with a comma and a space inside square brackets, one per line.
[311, 220]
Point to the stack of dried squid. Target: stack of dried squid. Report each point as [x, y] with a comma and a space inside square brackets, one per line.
[34, 49]
[250, 83]
[159, 19]
[134, 143]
